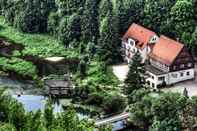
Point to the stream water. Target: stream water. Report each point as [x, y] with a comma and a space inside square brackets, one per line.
[33, 100]
[33, 103]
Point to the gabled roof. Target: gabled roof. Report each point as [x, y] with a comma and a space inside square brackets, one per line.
[166, 50]
[139, 34]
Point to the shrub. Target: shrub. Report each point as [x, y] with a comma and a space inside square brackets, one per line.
[19, 66]
[114, 103]
[7, 127]
[96, 98]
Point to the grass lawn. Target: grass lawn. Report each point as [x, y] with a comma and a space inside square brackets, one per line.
[23, 68]
[41, 45]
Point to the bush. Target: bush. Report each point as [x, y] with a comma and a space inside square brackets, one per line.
[114, 103]
[96, 99]
[7, 127]
[19, 66]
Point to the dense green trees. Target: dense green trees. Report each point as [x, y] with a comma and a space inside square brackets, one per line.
[194, 42]
[27, 16]
[15, 118]
[182, 13]
[166, 111]
[157, 12]
[90, 22]
[73, 21]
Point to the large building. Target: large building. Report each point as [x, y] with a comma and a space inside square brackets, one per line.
[138, 38]
[170, 62]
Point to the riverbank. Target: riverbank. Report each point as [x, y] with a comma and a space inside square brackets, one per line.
[15, 86]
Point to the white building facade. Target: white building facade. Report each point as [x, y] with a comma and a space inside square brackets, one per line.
[133, 42]
[170, 63]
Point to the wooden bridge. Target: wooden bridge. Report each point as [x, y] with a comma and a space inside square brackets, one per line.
[112, 119]
[59, 88]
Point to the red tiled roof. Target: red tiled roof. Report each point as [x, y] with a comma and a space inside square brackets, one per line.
[140, 34]
[166, 50]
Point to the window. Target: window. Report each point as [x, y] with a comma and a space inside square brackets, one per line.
[189, 64]
[153, 85]
[148, 83]
[162, 78]
[153, 77]
[174, 75]
[174, 67]
[131, 42]
[134, 50]
[188, 73]
[181, 74]
[182, 66]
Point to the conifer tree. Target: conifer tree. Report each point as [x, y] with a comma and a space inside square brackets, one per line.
[135, 77]
[90, 24]
[120, 13]
[104, 7]
[75, 5]
[109, 41]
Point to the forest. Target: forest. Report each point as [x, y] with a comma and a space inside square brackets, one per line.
[90, 32]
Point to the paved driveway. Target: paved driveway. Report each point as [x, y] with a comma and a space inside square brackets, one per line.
[191, 87]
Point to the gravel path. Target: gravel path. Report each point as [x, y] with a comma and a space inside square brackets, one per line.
[121, 71]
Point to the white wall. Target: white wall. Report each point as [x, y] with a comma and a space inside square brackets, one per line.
[179, 78]
[170, 77]
[144, 53]
[131, 45]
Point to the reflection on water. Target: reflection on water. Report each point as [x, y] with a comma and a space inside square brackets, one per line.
[118, 125]
[34, 103]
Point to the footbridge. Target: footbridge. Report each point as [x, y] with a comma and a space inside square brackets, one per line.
[112, 119]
